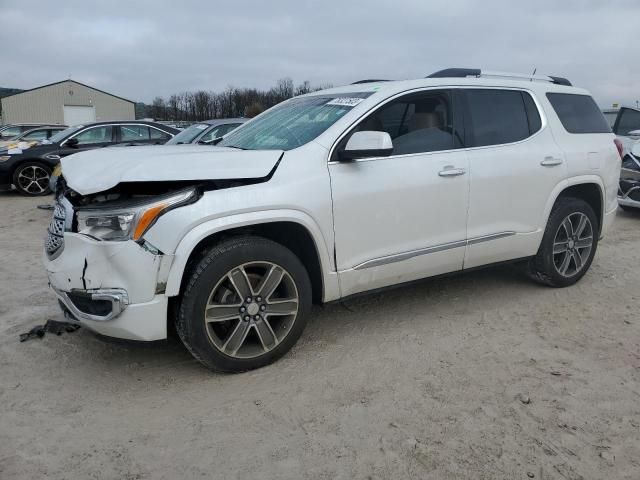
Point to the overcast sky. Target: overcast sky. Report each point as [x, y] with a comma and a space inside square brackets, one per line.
[142, 49]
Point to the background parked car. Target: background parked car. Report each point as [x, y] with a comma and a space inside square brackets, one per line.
[33, 135]
[29, 170]
[207, 131]
[629, 191]
[625, 123]
[11, 130]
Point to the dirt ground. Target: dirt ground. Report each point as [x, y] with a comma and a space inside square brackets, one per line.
[483, 375]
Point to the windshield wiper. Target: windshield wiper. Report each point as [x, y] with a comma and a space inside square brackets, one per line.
[234, 146]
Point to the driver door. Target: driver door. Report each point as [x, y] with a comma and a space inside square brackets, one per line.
[403, 217]
[93, 137]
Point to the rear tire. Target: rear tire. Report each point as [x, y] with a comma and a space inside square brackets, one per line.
[568, 246]
[32, 179]
[245, 304]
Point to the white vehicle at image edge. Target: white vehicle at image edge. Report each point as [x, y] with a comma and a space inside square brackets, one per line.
[328, 195]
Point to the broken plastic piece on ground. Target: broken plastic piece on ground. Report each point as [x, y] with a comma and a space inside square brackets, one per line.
[51, 326]
[45, 206]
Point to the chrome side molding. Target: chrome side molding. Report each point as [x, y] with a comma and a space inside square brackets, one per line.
[399, 257]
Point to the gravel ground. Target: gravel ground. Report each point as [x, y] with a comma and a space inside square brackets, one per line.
[483, 375]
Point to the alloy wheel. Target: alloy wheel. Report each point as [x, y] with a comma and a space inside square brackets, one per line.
[33, 179]
[572, 244]
[251, 309]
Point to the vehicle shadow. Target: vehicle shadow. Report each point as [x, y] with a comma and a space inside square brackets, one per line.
[348, 317]
[629, 212]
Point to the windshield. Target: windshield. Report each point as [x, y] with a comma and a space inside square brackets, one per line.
[293, 123]
[61, 135]
[188, 134]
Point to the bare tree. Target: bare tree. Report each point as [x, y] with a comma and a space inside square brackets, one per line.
[232, 102]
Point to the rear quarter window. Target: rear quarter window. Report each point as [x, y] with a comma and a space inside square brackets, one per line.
[578, 113]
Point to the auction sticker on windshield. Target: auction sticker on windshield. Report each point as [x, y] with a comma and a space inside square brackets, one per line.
[345, 101]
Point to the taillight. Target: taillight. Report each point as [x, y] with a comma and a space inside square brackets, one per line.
[618, 146]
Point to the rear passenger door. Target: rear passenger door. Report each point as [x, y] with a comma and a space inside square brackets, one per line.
[515, 164]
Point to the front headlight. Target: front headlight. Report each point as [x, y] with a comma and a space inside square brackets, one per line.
[132, 221]
[4, 158]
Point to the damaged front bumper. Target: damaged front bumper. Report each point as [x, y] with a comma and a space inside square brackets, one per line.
[99, 305]
[113, 288]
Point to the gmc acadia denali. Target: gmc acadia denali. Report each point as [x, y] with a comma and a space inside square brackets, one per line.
[328, 195]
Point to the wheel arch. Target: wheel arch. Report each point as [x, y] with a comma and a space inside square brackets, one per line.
[22, 161]
[589, 188]
[302, 239]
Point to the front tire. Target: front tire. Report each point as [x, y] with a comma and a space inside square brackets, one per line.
[568, 246]
[32, 178]
[245, 304]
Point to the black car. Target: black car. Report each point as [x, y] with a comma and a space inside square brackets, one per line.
[29, 169]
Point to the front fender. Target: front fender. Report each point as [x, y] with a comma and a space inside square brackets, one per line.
[189, 242]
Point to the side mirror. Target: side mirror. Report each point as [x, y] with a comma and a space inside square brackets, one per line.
[71, 143]
[367, 144]
[635, 149]
[634, 133]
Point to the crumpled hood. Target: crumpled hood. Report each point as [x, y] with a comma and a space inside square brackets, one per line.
[101, 169]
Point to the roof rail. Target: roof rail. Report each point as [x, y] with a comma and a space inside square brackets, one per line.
[369, 81]
[476, 72]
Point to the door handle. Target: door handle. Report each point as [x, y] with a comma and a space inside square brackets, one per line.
[550, 161]
[451, 171]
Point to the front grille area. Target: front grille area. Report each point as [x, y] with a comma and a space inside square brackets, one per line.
[55, 233]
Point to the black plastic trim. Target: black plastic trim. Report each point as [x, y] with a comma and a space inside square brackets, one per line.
[456, 73]
[561, 81]
[369, 81]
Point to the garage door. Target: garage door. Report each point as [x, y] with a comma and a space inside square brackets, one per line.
[75, 115]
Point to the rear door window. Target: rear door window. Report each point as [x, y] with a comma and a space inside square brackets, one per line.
[158, 134]
[501, 116]
[132, 133]
[628, 120]
[578, 113]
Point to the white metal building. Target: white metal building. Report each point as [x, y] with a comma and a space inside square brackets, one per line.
[67, 102]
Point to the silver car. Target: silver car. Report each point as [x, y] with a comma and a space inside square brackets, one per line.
[207, 131]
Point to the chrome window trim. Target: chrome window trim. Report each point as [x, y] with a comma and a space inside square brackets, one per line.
[399, 257]
[541, 112]
[113, 125]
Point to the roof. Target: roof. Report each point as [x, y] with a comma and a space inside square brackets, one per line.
[69, 80]
[166, 128]
[387, 88]
[32, 124]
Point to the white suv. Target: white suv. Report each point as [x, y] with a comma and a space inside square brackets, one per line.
[328, 195]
